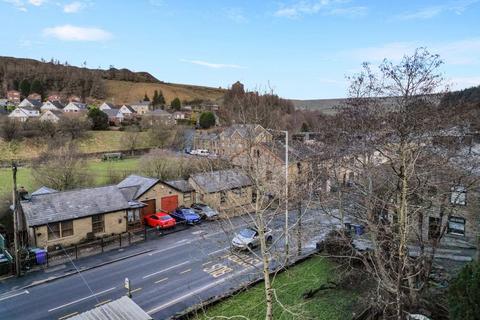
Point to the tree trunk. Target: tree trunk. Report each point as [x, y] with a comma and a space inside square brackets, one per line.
[299, 229]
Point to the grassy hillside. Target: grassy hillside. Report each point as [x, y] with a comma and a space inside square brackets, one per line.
[126, 92]
[97, 141]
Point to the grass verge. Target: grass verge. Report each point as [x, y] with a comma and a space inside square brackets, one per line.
[290, 286]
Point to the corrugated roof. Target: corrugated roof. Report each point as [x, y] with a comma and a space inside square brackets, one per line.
[43, 190]
[143, 184]
[60, 206]
[180, 185]
[216, 181]
[120, 309]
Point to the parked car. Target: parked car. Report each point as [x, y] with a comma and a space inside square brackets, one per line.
[200, 152]
[186, 214]
[160, 220]
[204, 211]
[248, 238]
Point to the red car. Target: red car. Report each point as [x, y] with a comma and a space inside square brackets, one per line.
[160, 220]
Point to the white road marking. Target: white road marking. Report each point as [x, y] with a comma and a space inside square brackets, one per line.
[179, 244]
[161, 280]
[81, 299]
[196, 291]
[217, 251]
[68, 316]
[166, 269]
[14, 295]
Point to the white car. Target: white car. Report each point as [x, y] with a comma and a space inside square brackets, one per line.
[248, 238]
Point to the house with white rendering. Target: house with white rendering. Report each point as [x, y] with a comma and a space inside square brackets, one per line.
[51, 116]
[106, 106]
[127, 111]
[114, 116]
[24, 113]
[75, 107]
[30, 103]
[52, 105]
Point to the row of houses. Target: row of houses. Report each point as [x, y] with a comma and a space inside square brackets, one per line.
[53, 218]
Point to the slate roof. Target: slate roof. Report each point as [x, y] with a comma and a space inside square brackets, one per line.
[140, 103]
[57, 104]
[142, 184]
[111, 105]
[222, 180]
[245, 130]
[297, 150]
[43, 190]
[180, 185]
[66, 205]
[129, 108]
[121, 309]
[158, 113]
[79, 105]
[112, 113]
[34, 103]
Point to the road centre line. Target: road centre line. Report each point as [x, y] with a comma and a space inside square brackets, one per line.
[161, 280]
[185, 271]
[103, 302]
[166, 269]
[14, 295]
[68, 316]
[217, 251]
[135, 290]
[206, 263]
[82, 299]
[198, 290]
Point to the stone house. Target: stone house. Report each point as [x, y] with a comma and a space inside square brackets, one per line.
[64, 218]
[14, 96]
[206, 140]
[160, 116]
[228, 191]
[141, 107]
[238, 137]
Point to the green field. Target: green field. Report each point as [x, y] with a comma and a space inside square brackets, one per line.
[99, 171]
[290, 286]
[96, 141]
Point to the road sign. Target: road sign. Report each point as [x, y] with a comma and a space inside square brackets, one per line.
[127, 283]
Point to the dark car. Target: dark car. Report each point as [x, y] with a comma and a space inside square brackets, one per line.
[186, 214]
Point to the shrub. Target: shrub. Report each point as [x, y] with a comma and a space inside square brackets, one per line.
[464, 294]
[207, 120]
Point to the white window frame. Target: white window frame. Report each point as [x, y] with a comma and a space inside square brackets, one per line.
[458, 196]
[459, 223]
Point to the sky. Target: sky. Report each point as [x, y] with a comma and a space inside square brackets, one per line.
[299, 49]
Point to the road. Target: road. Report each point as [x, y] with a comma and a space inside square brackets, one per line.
[183, 269]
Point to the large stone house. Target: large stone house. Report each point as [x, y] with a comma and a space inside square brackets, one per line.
[141, 107]
[238, 137]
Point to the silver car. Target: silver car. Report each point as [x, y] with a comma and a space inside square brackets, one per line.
[248, 238]
[205, 211]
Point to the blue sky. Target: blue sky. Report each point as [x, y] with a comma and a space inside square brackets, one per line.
[299, 49]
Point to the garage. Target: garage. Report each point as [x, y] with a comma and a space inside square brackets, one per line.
[169, 203]
[150, 208]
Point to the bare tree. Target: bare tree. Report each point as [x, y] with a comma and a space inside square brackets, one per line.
[131, 139]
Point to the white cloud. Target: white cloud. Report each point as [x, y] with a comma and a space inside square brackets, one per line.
[326, 7]
[236, 15]
[73, 7]
[73, 33]
[457, 7]
[36, 3]
[460, 52]
[213, 65]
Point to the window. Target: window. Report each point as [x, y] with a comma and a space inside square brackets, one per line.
[254, 196]
[257, 153]
[459, 195]
[187, 197]
[98, 223]
[456, 225]
[434, 228]
[67, 228]
[223, 197]
[53, 231]
[299, 167]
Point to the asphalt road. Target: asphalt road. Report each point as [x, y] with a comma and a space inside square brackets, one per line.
[183, 269]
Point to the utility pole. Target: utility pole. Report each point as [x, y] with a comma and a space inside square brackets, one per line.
[286, 197]
[15, 220]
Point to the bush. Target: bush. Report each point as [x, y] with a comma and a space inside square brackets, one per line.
[99, 119]
[464, 294]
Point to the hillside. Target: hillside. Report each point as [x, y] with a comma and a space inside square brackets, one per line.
[125, 91]
[119, 85]
[327, 106]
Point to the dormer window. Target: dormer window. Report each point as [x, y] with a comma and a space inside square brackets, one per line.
[459, 196]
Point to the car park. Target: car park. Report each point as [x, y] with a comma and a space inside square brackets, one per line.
[186, 215]
[249, 238]
[204, 211]
[160, 220]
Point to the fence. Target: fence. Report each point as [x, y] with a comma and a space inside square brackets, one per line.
[108, 243]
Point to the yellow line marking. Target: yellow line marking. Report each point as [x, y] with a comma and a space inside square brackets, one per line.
[68, 316]
[206, 263]
[185, 271]
[135, 290]
[103, 302]
[161, 280]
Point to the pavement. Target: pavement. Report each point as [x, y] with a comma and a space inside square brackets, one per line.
[167, 275]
